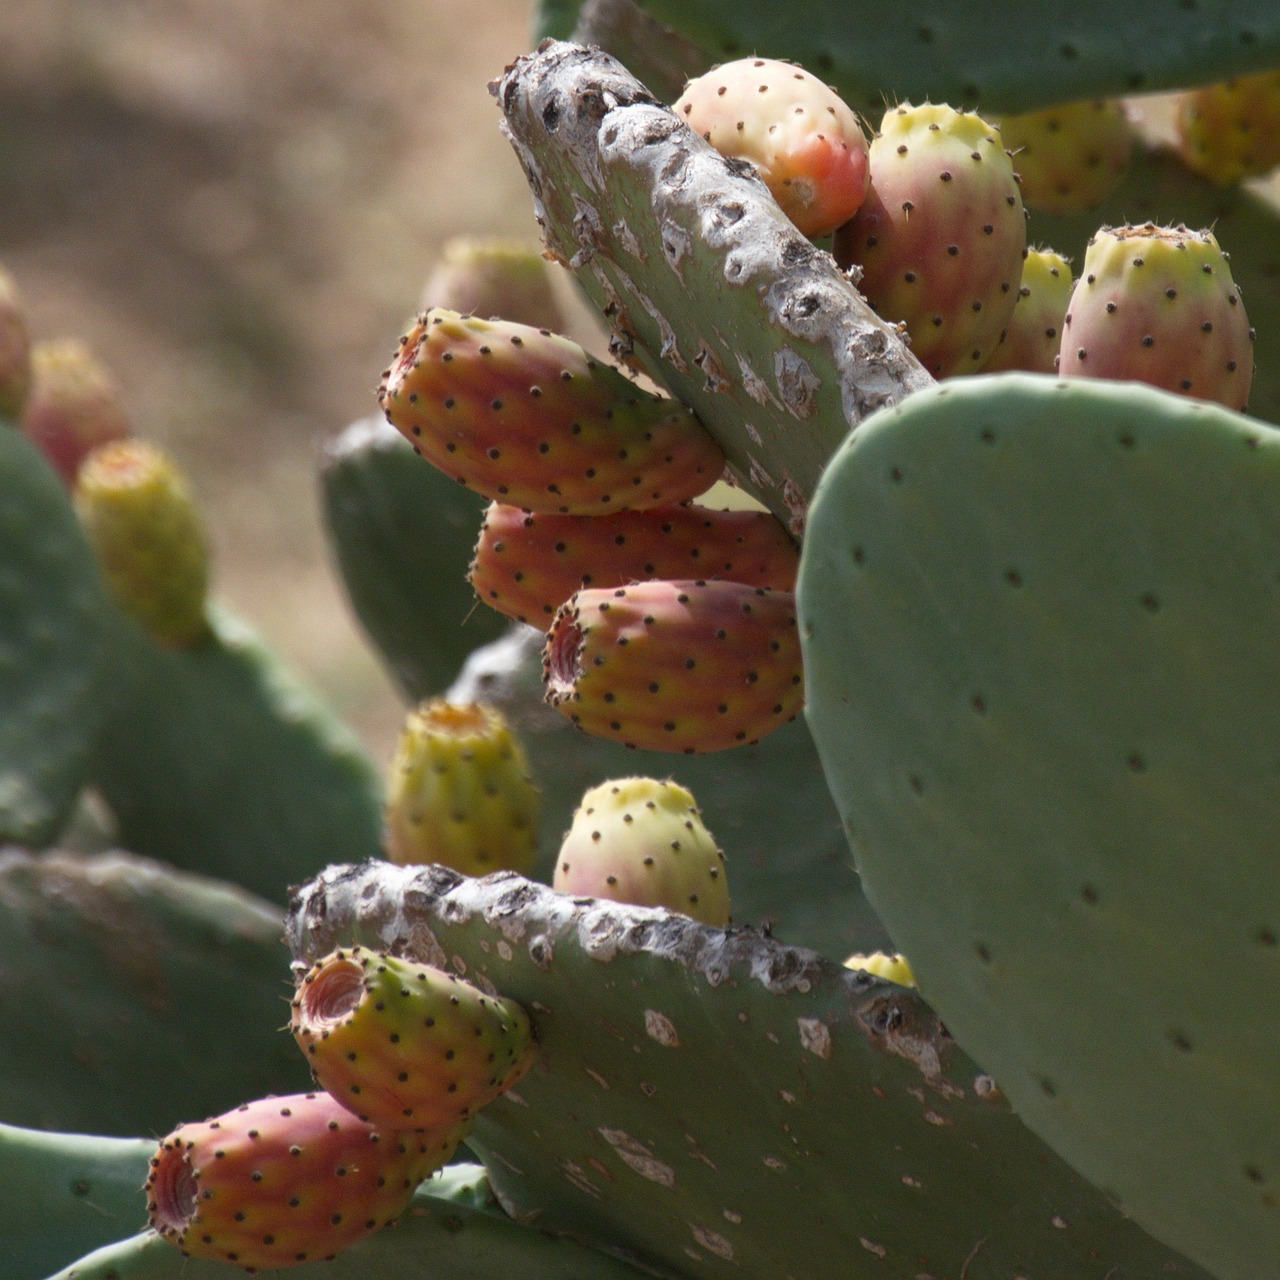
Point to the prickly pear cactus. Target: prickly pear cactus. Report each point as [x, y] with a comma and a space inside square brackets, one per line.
[1052, 737]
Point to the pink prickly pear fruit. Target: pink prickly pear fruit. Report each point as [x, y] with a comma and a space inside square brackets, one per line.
[15, 349]
[404, 1045]
[527, 565]
[1034, 332]
[148, 539]
[642, 841]
[286, 1180]
[1229, 131]
[73, 405]
[1071, 157]
[527, 417]
[690, 666]
[491, 278]
[460, 793]
[1158, 305]
[804, 141]
[940, 237]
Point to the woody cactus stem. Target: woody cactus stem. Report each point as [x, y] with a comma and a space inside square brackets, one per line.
[706, 284]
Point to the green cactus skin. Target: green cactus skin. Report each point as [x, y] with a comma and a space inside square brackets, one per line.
[651, 50]
[453, 1229]
[720, 1105]
[68, 1193]
[401, 535]
[143, 974]
[1047, 54]
[1052, 737]
[217, 759]
[705, 282]
[51, 621]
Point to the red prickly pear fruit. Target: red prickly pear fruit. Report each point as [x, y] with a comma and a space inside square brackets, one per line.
[1229, 131]
[493, 278]
[73, 406]
[1158, 305]
[460, 792]
[280, 1181]
[402, 1044]
[940, 237]
[1071, 157]
[641, 841]
[805, 142]
[15, 350]
[1034, 332]
[527, 417]
[527, 565]
[689, 666]
[148, 539]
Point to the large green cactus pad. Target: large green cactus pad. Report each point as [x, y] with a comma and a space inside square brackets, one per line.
[50, 647]
[1040, 625]
[724, 1106]
[1004, 55]
[135, 997]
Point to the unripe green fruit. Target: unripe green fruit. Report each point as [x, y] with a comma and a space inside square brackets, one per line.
[15, 350]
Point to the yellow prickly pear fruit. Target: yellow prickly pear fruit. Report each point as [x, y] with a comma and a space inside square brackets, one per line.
[893, 966]
[148, 538]
[460, 792]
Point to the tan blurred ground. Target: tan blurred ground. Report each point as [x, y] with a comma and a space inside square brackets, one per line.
[236, 204]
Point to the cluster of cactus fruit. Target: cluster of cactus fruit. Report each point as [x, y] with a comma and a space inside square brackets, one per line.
[1026, 616]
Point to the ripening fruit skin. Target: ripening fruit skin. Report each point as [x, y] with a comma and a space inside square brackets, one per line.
[690, 666]
[806, 143]
[1071, 157]
[148, 539]
[940, 237]
[460, 793]
[405, 1045]
[286, 1180]
[884, 965]
[15, 350]
[527, 417]
[73, 405]
[490, 277]
[1034, 332]
[527, 565]
[1158, 305]
[1231, 130]
[642, 841]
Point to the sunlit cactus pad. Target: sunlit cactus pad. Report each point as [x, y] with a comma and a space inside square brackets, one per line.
[717, 1104]
[1040, 621]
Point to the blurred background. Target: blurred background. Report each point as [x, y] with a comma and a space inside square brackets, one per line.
[236, 205]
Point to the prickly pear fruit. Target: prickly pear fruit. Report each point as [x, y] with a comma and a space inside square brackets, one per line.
[402, 1044]
[1034, 333]
[73, 405]
[805, 142]
[884, 965]
[642, 841]
[527, 565]
[1071, 157]
[1158, 305]
[285, 1180]
[490, 277]
[529, 418]
[940, 236]
[1231, 130]
[15, 349]
[460, 793]
[148, 539]
[686, 666]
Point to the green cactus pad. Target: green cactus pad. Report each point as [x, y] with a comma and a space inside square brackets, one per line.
[947, 50]
[135, 997]
[51, 606]
[67, 1193]
[402, 534]
[1040, 621]
[721, 1105]
[452, 1230]
[218, 760]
